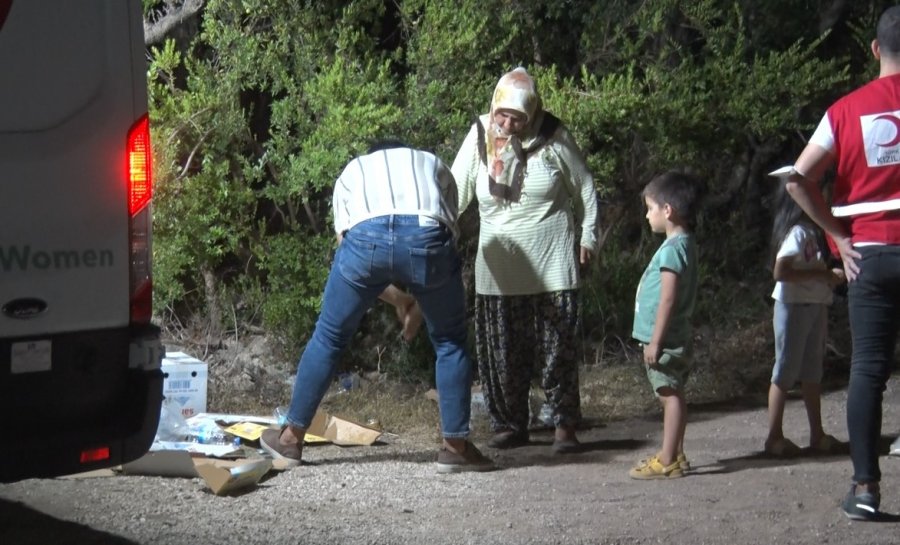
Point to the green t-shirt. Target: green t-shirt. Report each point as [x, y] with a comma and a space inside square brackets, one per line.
[679, 255]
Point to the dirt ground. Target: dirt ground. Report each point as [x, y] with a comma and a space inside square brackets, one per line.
[390, 493]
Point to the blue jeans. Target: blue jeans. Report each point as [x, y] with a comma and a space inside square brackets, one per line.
[374, 254]
[874, 306]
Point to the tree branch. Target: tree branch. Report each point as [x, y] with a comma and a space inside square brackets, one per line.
[831, 15]
[190, 159]
[175, 13]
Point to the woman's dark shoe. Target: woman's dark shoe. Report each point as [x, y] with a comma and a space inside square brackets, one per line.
[508, 439]
[566, 446]
[564, 441]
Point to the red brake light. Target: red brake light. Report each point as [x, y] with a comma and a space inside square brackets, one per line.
[94, 455]
[4, 10]
[140, 175]
[140, 192]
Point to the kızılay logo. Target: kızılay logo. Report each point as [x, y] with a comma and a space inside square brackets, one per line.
[4, 10]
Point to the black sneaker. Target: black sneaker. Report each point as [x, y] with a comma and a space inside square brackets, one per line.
[270, 441]
[470, 460]
[861, 506]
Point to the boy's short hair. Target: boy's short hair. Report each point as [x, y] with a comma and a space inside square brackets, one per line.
[681, 191]
[888, 31]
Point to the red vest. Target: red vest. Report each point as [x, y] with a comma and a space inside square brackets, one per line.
[866, 129]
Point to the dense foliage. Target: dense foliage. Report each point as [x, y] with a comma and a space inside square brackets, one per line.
[257, 105]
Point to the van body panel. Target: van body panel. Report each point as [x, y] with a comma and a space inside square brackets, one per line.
[71, 74]
[73, 366]
[63, 132]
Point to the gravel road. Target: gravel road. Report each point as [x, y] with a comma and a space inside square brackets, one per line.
[390, 494]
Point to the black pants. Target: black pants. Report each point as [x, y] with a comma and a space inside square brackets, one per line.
[874, 305]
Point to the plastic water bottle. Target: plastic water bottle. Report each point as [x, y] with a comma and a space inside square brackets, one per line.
[478, 406]
[348, 381]
[280, 414]
[540, 412]
[211, 434]
[546, 415]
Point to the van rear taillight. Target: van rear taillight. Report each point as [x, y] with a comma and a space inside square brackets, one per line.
[4, 10]
[94, 455]
[140, 180]
[140, 192]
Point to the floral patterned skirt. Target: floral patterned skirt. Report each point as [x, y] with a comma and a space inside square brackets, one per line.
[521, 337]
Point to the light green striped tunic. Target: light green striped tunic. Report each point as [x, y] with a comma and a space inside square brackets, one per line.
[528, 247]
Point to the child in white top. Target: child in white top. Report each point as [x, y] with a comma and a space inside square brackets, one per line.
[803, 291]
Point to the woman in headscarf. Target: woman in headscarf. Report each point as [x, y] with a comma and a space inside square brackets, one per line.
[538, 214]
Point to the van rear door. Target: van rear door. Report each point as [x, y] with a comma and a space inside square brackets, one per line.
[80, 384]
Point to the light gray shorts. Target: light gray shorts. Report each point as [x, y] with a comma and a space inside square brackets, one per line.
[673, 369]
[800, 330]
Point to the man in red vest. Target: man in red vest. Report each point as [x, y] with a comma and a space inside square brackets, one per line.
[860, 137]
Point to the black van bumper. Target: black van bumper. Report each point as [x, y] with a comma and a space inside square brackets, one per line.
[97, 406]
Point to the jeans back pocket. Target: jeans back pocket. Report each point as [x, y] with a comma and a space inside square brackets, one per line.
[355, 259]
[432, 266]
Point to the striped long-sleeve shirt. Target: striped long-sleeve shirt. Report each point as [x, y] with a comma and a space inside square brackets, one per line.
[397, 181]
[528, 247]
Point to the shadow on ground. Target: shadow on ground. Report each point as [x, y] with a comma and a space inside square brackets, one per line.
[762, 459]
[22, 525]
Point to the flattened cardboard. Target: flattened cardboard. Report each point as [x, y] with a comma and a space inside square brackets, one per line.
[247, 430]
[324, 428]
[162, 463]
[196, 449]
[342, 431]
[226, 476]
[235, 418]
[221, 476]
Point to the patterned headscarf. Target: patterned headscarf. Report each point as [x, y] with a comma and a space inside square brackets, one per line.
[516, 91]
[506, 160]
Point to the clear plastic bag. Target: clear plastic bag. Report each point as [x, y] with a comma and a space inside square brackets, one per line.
[172, 426]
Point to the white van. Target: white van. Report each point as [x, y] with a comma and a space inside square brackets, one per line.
[80, 379]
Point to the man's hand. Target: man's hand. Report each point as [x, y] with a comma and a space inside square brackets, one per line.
[408, 312]
[848, 256]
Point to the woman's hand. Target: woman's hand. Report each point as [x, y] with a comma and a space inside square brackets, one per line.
[585, 256]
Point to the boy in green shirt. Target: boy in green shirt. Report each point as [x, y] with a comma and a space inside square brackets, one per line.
[662, 314]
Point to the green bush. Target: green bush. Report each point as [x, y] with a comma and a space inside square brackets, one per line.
[256, 113]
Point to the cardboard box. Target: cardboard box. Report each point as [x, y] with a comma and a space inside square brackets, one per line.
[221, 476]
[184, 382]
